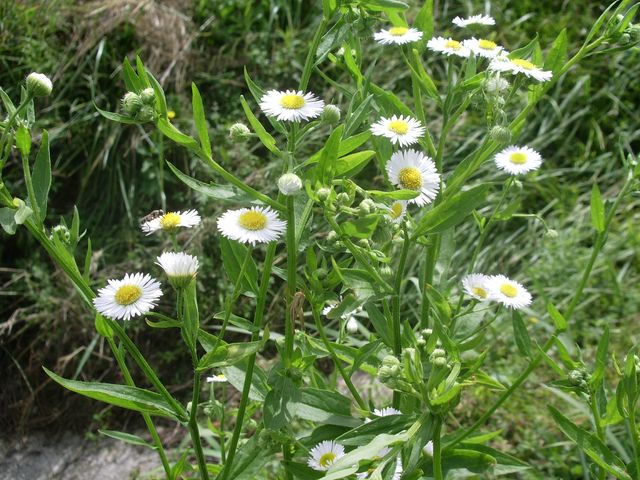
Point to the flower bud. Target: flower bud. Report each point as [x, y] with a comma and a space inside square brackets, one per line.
[332, 237]
[500, 134]
[39, 85]
[426, 333]
[343, 198]
[364, 243]
[146, 114]
[148, 96]
[323, 193]
[239, 132]
[62, 233]
[386, 271]
[495, 85]
[575, 377]
[439, 362]
[436, 354]
[131, 103]
[551, 233]
[352, 325]
[289, 184]
[330, 115]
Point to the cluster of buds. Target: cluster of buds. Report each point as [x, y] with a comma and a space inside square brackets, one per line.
[366, 207]
[579, 378]
[62, 233]
[140, 107]
[627, 37]
[389, 369]
[239, 132]
[425, 333]
[438, 358]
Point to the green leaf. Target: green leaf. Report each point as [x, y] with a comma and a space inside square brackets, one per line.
[380, 324]
[218, 192]
[526, 51]
[281, 403]
[102, 327]
[6, 101]
[597, 209]
[267, 140]
[325, 407]
[23, 140]
[190, 317]
[523, 341]
[458, 458]
[559, 321]
[170, 131]
[383, 5]
[329, 156]
[131, 80]
[132, 398]
[116, 117]
[200, 120]
[236, 373]
[7, 220]
[601, 358]
[394, 195]
[22, 213]
[424, 20]
[350, 165]
[142, 73]
[362, 227]
[590, 445]
[233, 256]
[452, 211]
[42, 175]
[127, 438]
[368, 451]
[228, 354]
[557, 56]
[161, 101]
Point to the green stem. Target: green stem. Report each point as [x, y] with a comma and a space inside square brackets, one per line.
[30, 191]
[193, 423]
[9, 125]
[311, 55]
[503, 398]
[257, 323]
[336, 360]
[437, 449]
[633, 427]
[593, 405]
[147, 418]
[395, 305]
[292, 280]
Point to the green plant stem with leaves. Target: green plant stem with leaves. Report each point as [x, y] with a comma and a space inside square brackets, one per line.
[395, 304]
[437, 448]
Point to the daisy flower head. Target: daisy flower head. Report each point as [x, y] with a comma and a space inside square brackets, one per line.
[291, 105]
[324, 454]
[130, 297]
[448, 46]
[401, 130]
[518, 160]
[520, 65]
[476, 285]
[411, 170]
[386, 412]
[483, 48]
[251, 225]
[508, 292]
[220, 378]
[397, 36]
[180, 267]
[473, 20]
[397, 211]
[170, 221]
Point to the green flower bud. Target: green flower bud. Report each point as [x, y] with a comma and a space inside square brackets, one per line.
[323, 193]
[146, 114]
[148, 96]
[343, 198]
[495, 85]
[436, 354]
[426, 333]
[575, 377]
[330, 115]
[364, 243]
[551, 233]
[289, 184]
[500, 134]
[62, 233]
[332, 237]
[321, 273]
[239, 132]
[39, 85]
[439, 362]
[386, 271]
[131, 103]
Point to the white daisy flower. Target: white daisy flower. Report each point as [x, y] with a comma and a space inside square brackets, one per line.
[170, 221]
[410, 169]
[398, 36]
[291, 105]
[473, 20]
[324, 454]
[386, 412]
[220, 378]
[476, 285]
[448, 46]
[484, 48]
[518, 160]
[326, 310]
[251, 225]
[400, 130]
[397, 211]
[180, 267]
[132, 296]
[508, 292]
[519, 65]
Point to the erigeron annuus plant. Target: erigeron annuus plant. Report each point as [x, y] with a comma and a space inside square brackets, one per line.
[347, 240]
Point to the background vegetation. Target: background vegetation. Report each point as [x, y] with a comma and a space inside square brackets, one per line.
[115, 175]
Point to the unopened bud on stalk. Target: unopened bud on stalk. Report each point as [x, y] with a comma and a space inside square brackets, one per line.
[495, 85]
[289, 184]
[364, 243]
[179, 267]
[332, 237]
[62, 233]
[366, 206]
[437, 354]
[146, 114]
[500, 134]
[386, 271]
[39, 85]
[323, 193]
[551, 233]
[330, 115]
[148, 96]
[343, 198]
[352, 325]
[239, 132]
[131, 103]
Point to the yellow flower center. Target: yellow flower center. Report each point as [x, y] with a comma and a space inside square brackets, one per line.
[170, 220]
[292, 101]
[398, 31]
[410, 177]
[327, 459]
[487, 44]
[396, 210]
[518, 158]
[453, 44]
[509, 290]
[479, 291]
[253, 220]
[527, 65]
[399, 126]
[171, 114]
[128, 294]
